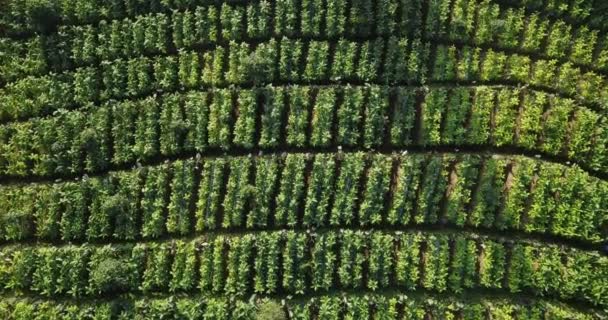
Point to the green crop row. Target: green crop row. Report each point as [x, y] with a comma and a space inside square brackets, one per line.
[285, 60]
[486, 23]
[303, 159]
[368, 306]
[204, 25]
[577, 10]
[232, 64]
[23, 17]
[531, 120]
[300, 191]
[470, 21]
[474, 64]
[74, 142]
[590, 13]
[297, 263]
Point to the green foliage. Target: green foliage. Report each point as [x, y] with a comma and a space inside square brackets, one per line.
[375, 116]
[432, 113]
[347, 186]
[220, 119]
[238, 193]
[517, 185]
[272, 109]
[109, 271]
[376, 189]
[530, 119]
[270, 310]
[454, 128]
[291, 190]
[208, 204]
[381, 262]
[403, 117]
[264, 191]
[244, 126]
[507, 108]
[297, 121]
[350, 116]
[228, 266]
[408, 179]
[350, 270]
[322, 118]
[182, 188]
[294, 270]
[125, 128]
[316, 65]
[489, 196]
[319, 189]
[153, 202]
[461, 182]
[266, 266]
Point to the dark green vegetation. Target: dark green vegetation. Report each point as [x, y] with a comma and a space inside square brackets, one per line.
[303, 159]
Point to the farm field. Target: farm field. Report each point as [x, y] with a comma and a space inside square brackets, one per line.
[304, 159]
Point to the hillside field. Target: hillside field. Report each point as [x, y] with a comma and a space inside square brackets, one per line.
[304, 159]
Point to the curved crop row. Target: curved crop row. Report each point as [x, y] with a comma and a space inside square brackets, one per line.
[305, 191]
[486, 23]
[465, 64]
[292, 61]
[300, 263]
[182, 68]
[170, 159]
[578, 9]
[392, 306]
[577, 12]
[180, 30]
[24, 18]
[154, 33]
[276, 60]
[74, 142]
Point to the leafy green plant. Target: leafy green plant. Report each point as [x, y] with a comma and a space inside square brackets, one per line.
[352, 257]
[403, 117]
[350, 115]
[244, 126]
[109, 270]
[409, 174]
[462, 181]
[458, 109]
[238, 194]
[506, 111]
[376, 189]
[432, 113]
[294, 270]
[316, 61]
[220, 119]
[266, 265]
[381, 261]
[208, 204]
[346, 189]
[320, 183]
[153, 201]
[297, 121]
[323, 262]
[375, 116]
[272, 109]
[270, 310]
[322, 117]
[263, 191]
[182, 188]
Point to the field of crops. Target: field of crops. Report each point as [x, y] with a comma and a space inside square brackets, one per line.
[304, 159]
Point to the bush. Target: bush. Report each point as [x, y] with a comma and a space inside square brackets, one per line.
[270, 310]
[109, 275]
